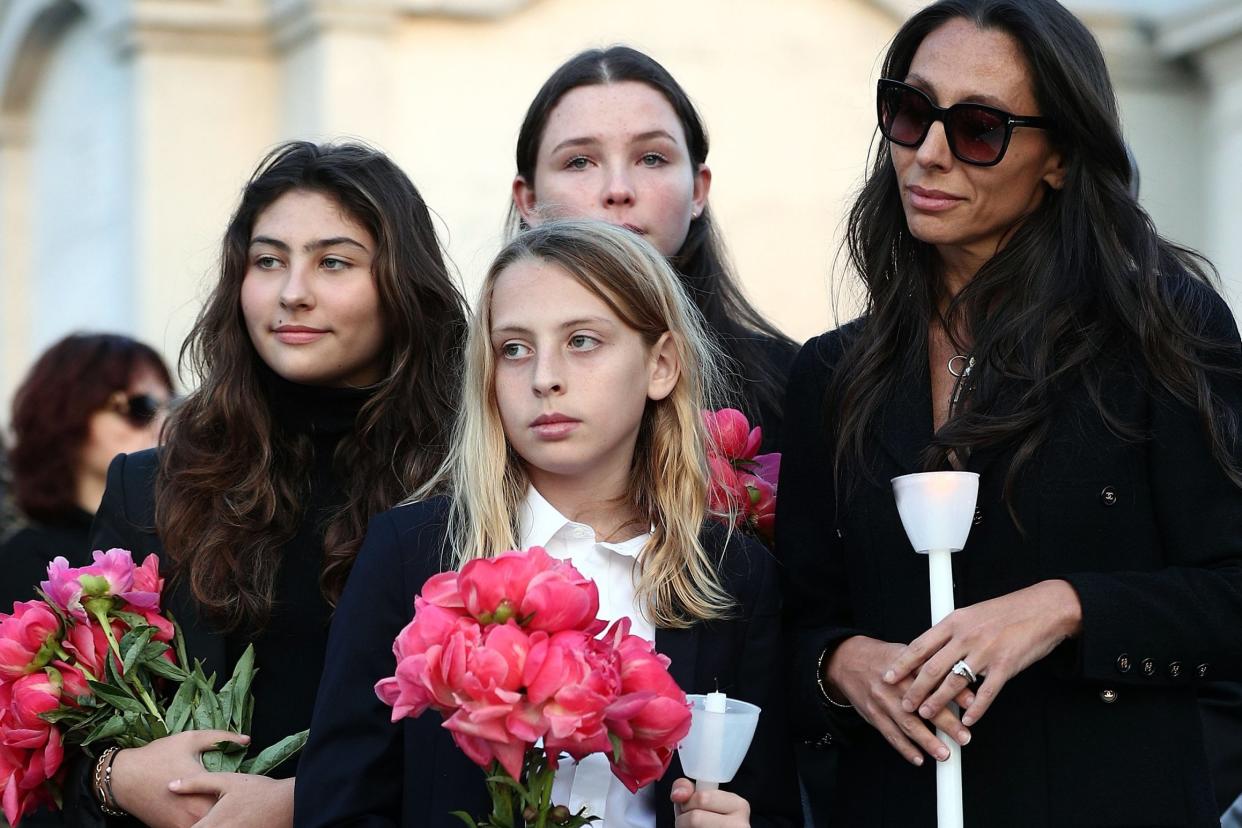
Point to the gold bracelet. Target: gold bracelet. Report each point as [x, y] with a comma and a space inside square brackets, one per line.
[103, 784]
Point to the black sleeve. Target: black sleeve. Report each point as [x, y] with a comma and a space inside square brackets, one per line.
[767, 779]
[816, 588]
[351, 771]
[114, 527]
[1188, 613]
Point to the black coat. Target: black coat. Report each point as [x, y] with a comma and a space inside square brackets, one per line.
[360, 769]
[25, 556]
[1103, 732]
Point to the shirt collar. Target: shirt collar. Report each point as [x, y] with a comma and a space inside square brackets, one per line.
[539, 522]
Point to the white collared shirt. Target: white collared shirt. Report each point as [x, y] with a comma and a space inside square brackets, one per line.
[590, 783]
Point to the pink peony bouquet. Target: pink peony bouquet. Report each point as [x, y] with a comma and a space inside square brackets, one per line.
[95, 662]
[743, 482]
[510, 652]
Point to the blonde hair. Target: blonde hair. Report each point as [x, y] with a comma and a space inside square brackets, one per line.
[678, 582]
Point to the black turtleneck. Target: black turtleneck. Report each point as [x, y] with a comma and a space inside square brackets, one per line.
[290, 647]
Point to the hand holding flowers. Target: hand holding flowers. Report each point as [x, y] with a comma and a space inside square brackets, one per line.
[91, 663]
[511, 653]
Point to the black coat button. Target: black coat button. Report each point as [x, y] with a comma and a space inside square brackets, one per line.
[1148, 667]
[1123, 663]
[1108, 496]
[1108, 696]
[1201, 670]
[1175, 669]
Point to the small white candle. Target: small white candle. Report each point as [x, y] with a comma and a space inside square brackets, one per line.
[715, 705]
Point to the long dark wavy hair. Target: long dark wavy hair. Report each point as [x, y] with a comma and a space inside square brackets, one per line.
[1080, 282]
[232, 482]
[739, 329]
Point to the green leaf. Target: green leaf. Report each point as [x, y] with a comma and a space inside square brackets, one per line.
[178, 713]
[169, 671]
[132, 646]
[179, 642]
[616, 747]
[464, 817]
[271, 758]
[237, 688]
[509, 781]
[116, 697]
[109, 729]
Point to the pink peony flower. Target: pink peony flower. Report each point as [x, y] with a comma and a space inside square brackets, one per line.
[589, 681]
[147, 585]
[760, 504]
[724, 490]
[650, 716]
[88, 645]
[539, 591]
[28, 638]
[71, 589]
[730, 434]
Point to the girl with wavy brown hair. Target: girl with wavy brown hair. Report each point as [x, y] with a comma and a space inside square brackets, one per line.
[327, 358]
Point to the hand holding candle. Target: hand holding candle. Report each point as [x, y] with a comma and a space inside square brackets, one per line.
[936, 510]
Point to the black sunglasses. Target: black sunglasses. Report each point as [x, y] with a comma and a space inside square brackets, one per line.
[138, 409]
[976, 134]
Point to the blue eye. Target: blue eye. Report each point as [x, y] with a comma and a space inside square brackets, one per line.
[653, 159]
[578, 162]
[333, 263]
[266, 262]
[583, 342]
[514, 350]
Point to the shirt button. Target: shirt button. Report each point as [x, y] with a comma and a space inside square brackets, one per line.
[581, 532]
[1108, 496]
[1108, 696]
[1148, 667]
[1123, 663]
[1201, 670]
[1175, 669]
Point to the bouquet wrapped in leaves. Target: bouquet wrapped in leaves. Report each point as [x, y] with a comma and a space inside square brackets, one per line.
[93, 663]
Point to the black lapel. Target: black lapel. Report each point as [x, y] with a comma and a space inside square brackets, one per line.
[201, 642]
[682, 648]
[906, 419]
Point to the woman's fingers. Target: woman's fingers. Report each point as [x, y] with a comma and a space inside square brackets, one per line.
[916, 652]
[933, 675]
[984, 696]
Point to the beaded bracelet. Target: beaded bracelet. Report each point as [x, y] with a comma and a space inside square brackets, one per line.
[819, 678]
[103, 784]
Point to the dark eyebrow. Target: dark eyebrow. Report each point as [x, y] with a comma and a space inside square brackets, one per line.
[915, 79]
[309, 246]
[590, 140]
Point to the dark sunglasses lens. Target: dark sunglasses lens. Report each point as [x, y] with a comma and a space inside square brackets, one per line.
[143, 408]
[978, 133]
[904, 116]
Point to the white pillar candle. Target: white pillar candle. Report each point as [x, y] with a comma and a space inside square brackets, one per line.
[948, 772]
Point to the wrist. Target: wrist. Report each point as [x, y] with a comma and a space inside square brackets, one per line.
[1069, 615]
[829, 686]
[102, 783]
[122, 773]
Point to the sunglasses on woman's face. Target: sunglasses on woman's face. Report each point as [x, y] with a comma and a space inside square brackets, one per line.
[138, 409]
[976, 134]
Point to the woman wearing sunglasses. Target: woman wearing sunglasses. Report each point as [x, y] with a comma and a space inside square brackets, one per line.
[87, 399]
[1026, 322]
[326, 356]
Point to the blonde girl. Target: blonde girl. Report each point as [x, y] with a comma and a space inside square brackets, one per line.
[579, 431]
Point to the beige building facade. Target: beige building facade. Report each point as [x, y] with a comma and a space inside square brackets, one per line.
[127, 128]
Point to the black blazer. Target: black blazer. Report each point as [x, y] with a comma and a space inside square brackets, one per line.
[1103, 732]
[360, 769]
